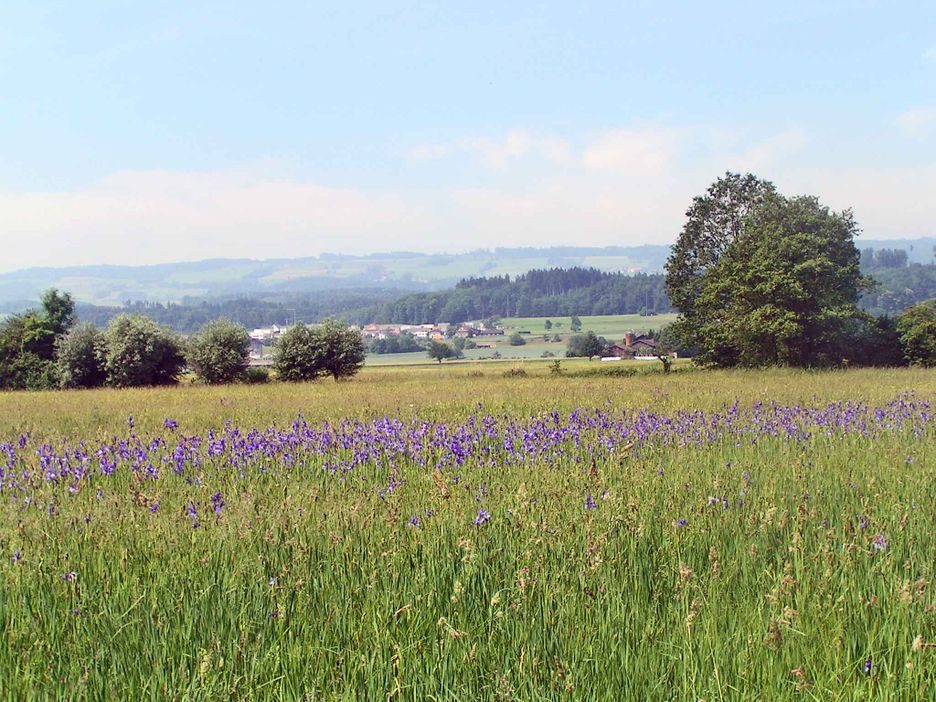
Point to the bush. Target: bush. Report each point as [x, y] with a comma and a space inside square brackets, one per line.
[517, 340]
[604, 371]
[257, 375]
[342, 350]
[304, 353]
[917, 330]
[138, 352]
[515, 372]
[218, 352]
[80, 358]
[297, 355]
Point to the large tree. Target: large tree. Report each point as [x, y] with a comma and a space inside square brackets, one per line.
[782, 290]
[713, 221]
[342, 349]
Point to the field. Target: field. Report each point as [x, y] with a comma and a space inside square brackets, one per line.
[612, 327]
[449, 533]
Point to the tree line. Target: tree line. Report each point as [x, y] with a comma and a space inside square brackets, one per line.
[46, 348]
[555, 292]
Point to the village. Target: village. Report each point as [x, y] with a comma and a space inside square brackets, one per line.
[483, 334]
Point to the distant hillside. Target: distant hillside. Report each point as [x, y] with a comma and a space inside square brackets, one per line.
[392, 274]
[409, 272]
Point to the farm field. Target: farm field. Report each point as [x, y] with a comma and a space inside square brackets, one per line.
[451, 533]
[611, 327]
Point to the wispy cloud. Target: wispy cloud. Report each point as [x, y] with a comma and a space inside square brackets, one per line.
[520, 187]
[929, 55]
[145, 216]
[918, 121]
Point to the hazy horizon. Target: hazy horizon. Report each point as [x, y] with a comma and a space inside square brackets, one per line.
[191, 131]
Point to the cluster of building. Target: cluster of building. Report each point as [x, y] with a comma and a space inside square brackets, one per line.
[635, 346]
[437, 332]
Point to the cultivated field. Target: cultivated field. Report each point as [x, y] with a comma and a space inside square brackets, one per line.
[611, 326]
[450, 533]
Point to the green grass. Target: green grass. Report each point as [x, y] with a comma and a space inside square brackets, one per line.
[611, 327]
[782, 600]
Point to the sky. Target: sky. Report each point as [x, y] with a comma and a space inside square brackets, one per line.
[139, 133]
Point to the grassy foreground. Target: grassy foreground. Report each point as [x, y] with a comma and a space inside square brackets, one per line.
[473, 538]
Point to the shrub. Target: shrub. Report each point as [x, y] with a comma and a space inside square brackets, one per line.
[604, 371]
[517, 340]
[80, 358]
[515, 372]
[137, 351]
[297, 355]
[342, 349]
[218, 352]
[917, 330]
[257, 375]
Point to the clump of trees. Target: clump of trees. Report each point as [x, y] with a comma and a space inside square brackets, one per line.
[44, 348]
[763, 279]
[586, 345]
[28, 342]
[305, 353]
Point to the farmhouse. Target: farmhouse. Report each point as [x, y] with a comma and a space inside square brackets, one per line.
[634, 345]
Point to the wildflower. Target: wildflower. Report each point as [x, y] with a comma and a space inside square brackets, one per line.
[413, 521]
[170, 424]
[590, 502]
[274, 614]
[17, 557]
[130, 421]
[69, 577]
[193, 515]
[879, 543]
[680, 523]
[272, 581]
[868, 666]
[154, 508]
[217, 502]
[482, 517]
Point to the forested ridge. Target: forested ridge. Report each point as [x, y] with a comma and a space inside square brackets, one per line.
[552, 292]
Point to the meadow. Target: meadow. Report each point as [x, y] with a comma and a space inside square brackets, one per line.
[450, 533]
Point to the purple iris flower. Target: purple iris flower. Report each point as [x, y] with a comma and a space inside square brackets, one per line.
[590, 502]
[483, 516]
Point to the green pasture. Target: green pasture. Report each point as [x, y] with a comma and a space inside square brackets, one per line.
[611, 327]
[313, 586]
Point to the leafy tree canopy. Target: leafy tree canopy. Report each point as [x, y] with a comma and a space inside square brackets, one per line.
[139, 352]
[218, 352]
[780, 285]
[917, 331]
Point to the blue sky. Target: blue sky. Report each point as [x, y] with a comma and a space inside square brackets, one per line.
[144, 132]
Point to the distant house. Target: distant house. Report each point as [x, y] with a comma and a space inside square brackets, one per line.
[634, 345]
